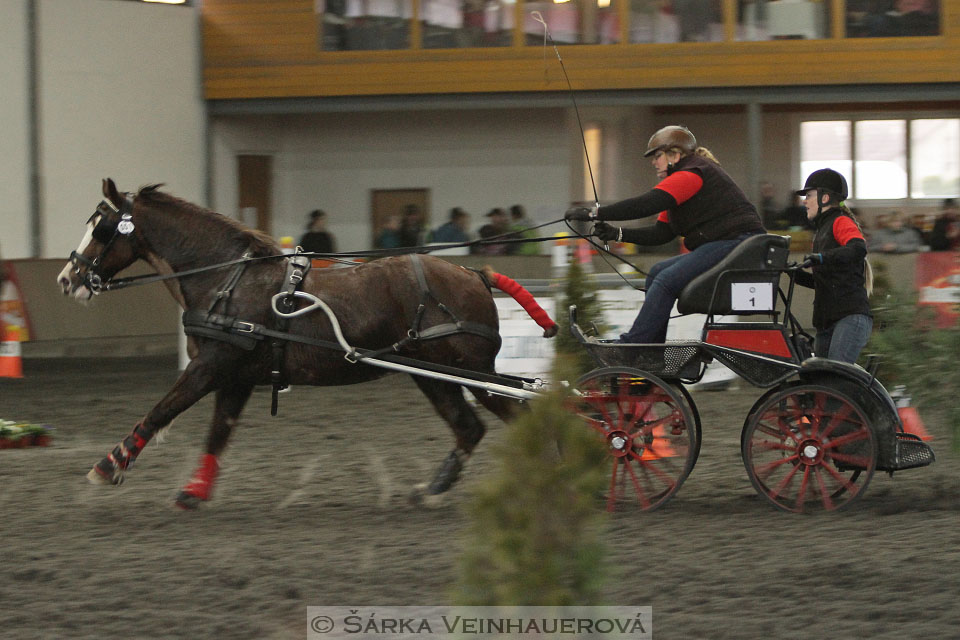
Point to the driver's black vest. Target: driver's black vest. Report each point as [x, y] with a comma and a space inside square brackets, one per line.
[720, 210]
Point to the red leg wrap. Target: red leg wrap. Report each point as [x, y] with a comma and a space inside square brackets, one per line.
[202, 481]
[527, 301]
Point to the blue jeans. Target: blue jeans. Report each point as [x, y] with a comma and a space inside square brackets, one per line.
[664, 283]
[844, 339]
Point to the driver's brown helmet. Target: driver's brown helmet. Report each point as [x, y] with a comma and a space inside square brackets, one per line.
[672, 136]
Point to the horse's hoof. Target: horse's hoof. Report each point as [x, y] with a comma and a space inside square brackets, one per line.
[187, 501]
[419, 497]
[101, 477]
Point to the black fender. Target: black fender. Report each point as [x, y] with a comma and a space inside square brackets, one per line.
[867, 391]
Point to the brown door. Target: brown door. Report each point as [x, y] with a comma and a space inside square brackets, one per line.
[255, 182]
[387, 203]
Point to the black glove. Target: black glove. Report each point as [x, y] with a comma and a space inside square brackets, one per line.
[607, 232]
[579, 213]
[811, 259]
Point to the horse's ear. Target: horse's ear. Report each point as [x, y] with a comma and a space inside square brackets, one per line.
[110, 192]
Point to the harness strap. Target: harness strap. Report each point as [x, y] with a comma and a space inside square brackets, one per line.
[227, 290]
[297, 268]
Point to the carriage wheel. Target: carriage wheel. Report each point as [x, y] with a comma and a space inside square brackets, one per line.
[808, 448]
[652, 436]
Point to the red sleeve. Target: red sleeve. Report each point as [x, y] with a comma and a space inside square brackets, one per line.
[845, 230]
[682, 185]
[664, 217]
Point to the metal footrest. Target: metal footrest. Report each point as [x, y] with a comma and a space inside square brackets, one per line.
[912, 452]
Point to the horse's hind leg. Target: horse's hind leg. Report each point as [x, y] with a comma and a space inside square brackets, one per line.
[448, 400]
[196, 381]
[230, 402]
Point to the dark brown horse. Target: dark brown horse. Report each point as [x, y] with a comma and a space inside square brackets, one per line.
[376, 305]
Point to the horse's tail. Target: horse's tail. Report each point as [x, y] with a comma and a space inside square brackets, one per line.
[524, 297]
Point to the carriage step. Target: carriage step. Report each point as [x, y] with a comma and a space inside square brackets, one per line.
[912, 452]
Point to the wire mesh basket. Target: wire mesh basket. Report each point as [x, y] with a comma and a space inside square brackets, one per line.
[670, 360]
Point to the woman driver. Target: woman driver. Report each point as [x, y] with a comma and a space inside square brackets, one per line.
[695, 199]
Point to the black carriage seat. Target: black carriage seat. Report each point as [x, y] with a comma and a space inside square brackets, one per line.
[755, 254]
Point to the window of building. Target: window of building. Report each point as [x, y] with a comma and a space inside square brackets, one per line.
[572, 21]
[453, 24]
[892, 18]
[935, 167]
[887, 159]
[779, 20]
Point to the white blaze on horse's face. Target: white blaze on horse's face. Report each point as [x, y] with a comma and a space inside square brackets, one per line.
[68, 279]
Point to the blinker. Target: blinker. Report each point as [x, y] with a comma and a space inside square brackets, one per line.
[106, 229]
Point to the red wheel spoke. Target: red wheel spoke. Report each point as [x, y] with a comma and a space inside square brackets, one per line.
[802, 493]
[647, 465]
[846, 484]
[841, 416]
[647, 428]
[597, 425]
[766, 445]
[853, 436]
[641, 494]
[599, 404]
[786, 481]
[775, 432]
[824, 496]
[768, 468]
[638, 411]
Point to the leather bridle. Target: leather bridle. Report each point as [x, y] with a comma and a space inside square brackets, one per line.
[113, 222]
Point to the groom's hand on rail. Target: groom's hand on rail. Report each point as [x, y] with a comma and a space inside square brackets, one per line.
[811, 260]
[607, 232]
[583, 214]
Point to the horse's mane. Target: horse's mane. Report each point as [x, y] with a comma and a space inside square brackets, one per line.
[259, 243]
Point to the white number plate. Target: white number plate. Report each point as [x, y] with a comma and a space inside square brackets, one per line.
[751, 296]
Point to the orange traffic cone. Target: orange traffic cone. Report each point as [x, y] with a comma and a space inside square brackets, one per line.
[912, 423]
[11, 365]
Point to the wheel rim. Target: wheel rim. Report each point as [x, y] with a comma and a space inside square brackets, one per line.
[809, 448]
[649, 434]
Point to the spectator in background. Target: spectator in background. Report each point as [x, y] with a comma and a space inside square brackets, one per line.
[498, 225]
[774, 218]
[389, 236]
[895, 237]
[918, 222]
[905, 18]
[945, 235]
[317, 239]
[455, 229]
[521, 225]
[412, 231]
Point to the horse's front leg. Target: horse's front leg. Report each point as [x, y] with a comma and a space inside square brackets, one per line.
[196, 381]
[230, 402]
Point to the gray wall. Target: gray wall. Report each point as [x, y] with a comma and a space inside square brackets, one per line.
[119, 95]
[14, 130]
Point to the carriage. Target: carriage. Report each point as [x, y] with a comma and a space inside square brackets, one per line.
[812, 442]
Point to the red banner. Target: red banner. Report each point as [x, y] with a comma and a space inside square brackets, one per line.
[937, 279]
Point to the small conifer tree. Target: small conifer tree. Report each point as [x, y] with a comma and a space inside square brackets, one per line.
[535, 537]
[914, 353]
[578, 289]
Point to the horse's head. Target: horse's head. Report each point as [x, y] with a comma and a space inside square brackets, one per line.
[111, 243]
